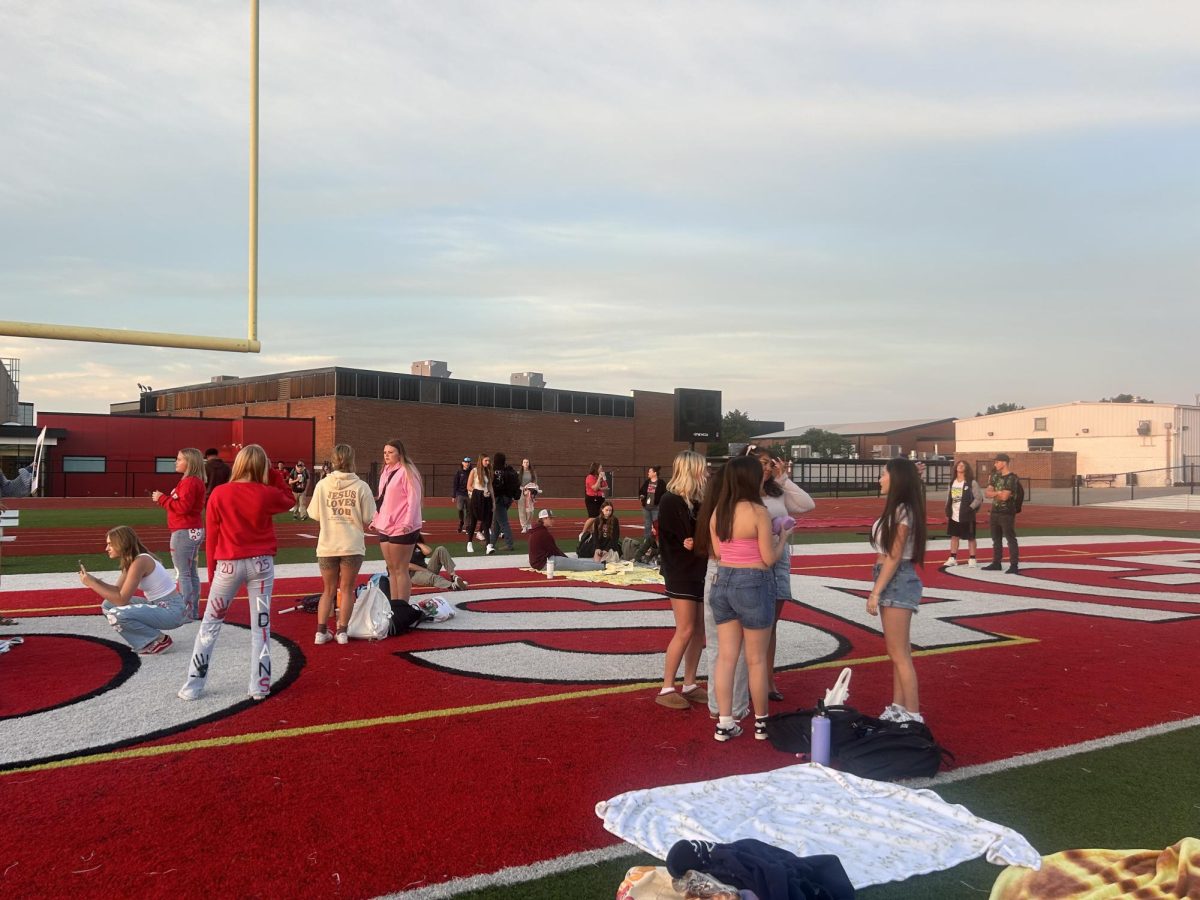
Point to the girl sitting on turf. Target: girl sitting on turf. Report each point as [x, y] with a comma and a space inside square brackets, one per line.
[139, 622]
[602, 535]
[899, 537]
[240, 548]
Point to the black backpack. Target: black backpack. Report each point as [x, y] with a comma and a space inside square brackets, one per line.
[888, 751]
[792, 732]
[1018, 496]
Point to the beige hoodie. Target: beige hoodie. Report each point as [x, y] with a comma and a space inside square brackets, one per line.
[343, 505]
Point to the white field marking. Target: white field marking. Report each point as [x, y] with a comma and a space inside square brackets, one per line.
[1176, 578]
[572, 861]
[1045, 540]
[1027, 583]
[145, 703]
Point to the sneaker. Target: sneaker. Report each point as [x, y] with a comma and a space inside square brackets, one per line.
[322, 637]
[760, 728]
[673, 700]
[893, 713]
[913, 717]
[259, 695]
[186, 693]
[727, 734]
[491, 548]
[994, 567]
[971, 562]
[1013, 570]
[479, 536]
[470, 547]
[342, 637]
[951, 562]
[157, 646]
[458, 584]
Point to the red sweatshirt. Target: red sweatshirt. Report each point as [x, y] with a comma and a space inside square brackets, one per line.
[239, 522]
[185, 504]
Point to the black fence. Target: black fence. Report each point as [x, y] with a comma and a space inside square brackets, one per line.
[855, 477]
[1144, 484]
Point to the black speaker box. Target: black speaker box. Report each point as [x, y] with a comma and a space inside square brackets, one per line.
[697, 415]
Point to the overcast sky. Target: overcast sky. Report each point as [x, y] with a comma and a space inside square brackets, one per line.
[828, 211]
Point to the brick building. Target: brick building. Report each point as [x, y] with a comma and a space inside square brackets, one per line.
[441, 420]
[927, 438]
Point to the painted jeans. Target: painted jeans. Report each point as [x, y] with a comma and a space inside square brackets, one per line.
[185, 550]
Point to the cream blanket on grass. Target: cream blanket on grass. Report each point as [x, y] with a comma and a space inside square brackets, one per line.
[881, 832]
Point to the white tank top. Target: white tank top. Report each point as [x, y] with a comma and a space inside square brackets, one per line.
[158, 583]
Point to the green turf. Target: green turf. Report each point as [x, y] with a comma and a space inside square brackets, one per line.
[1112, 798]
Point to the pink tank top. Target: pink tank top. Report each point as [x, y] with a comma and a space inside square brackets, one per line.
[740, 552]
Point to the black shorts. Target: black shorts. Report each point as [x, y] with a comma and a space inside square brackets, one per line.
[964, 529]
[411, 538]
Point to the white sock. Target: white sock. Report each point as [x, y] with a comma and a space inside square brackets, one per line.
[669, 690]
[725, 722]
[688, 688]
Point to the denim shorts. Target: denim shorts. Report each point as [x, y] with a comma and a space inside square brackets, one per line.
[904, 590]
[782, 571]
[747, 595]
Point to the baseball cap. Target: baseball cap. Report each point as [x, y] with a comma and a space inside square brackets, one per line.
[545, 514]
[466, 459]
[1002, 457]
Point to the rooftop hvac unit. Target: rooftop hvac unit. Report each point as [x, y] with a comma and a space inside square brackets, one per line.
[1144, 427]
[527, 379]
[802, 451]
[432, 368]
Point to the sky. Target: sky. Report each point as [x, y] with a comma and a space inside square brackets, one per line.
[830, 212]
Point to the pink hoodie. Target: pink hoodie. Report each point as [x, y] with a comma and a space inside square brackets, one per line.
[400, 510]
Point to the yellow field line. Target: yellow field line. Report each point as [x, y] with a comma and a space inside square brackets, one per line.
[330, 727]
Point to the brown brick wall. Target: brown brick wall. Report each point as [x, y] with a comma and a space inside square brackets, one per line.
[1054, 469]
[561, 445]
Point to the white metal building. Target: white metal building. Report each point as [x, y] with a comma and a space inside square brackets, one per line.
[1108, 438]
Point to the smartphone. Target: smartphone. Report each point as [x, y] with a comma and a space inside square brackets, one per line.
[81, 568]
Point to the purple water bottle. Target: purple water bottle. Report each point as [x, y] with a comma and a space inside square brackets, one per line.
[819, 737]
[781, 522]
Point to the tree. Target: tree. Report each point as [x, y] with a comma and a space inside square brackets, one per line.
[823, 443]
[735, 428]
[1125, 398]
[999, 408]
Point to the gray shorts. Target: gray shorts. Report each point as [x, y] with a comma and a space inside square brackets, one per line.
[904, 590]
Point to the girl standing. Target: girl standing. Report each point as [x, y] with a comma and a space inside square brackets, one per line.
[962, 502]
[343, 507]
[650, 494]
[479, 488]
[782, 497]
[594, 486]
[140, 624]
[683, 574]
[398, 521]
[899, 537]
[743, 592]
[529, 491]
[240, 548]
[185, 518]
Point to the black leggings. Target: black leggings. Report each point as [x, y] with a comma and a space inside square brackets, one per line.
[481, 515]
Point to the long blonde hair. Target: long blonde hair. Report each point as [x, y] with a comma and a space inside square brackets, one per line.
[250, 464]
[128, 545]
[688, 477]
[343, 458]
[195, 463]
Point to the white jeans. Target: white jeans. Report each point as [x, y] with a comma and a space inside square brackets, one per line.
[258, 574]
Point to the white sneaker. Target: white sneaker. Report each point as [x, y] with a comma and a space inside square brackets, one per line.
[971, 562]
[893, 713]
[458, 584]
[322, 637]
[490, 550]
[342, 637]
[951, 562]
[186, 694]
[912, 717]
[470, 547]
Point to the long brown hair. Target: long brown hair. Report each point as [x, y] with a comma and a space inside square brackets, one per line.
[968, 472]
[701, 544]
[904, 489]
[129, 545]
[742, 482]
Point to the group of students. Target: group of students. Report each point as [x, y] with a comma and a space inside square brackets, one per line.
[235, 522]
[484, 492]
[725, 545]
